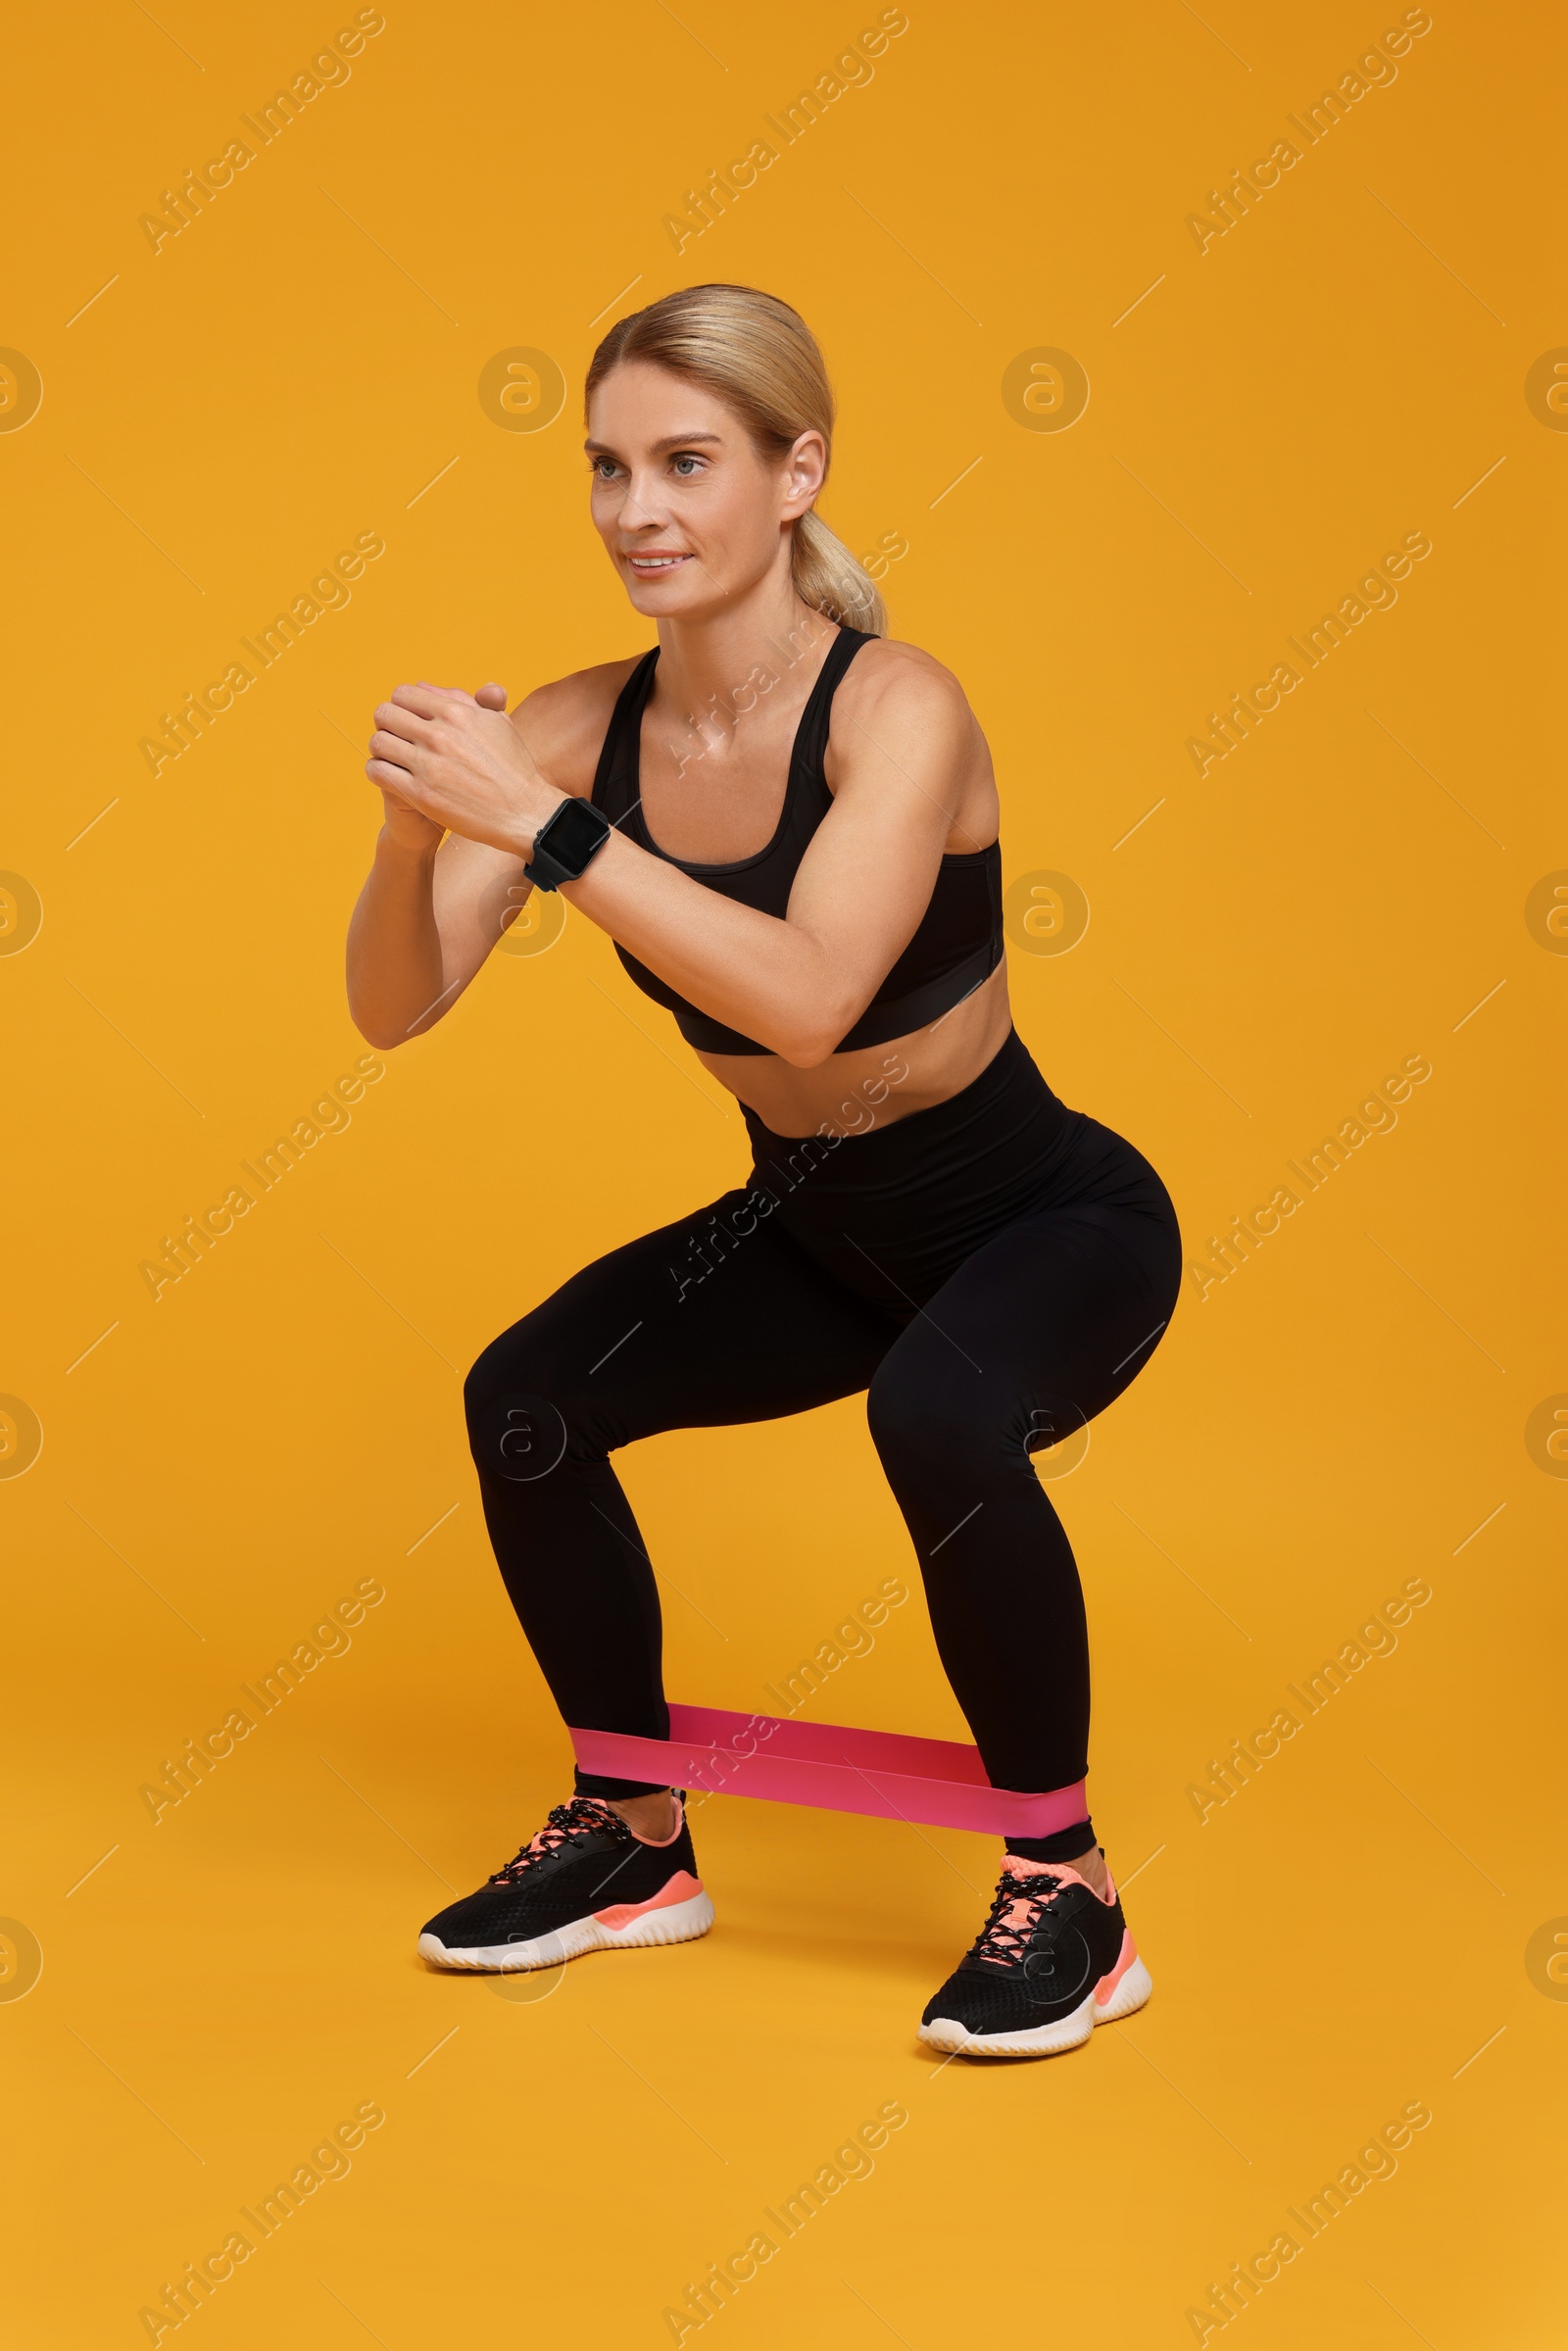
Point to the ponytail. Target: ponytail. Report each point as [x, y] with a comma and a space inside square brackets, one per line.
[827, 578]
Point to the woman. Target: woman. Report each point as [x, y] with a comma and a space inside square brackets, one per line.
[788, 825]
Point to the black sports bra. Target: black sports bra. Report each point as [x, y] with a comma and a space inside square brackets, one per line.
[958, 945]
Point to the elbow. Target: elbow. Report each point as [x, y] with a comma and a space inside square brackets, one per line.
[376, 1034]
[377, 1022]
[808, 1047]
[808, 1034]
[806, 1053]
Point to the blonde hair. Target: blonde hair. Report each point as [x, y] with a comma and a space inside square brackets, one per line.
[759, 356]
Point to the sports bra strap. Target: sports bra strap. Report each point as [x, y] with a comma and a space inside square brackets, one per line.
[810, 741]
[615, 786]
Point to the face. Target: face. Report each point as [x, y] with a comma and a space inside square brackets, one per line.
[691, 514]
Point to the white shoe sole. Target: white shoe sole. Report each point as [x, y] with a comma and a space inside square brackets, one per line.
[677, 1923]
[1045, 2040]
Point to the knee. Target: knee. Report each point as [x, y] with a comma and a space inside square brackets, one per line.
[519, 1360]
[921, 1418]
[519, 1404]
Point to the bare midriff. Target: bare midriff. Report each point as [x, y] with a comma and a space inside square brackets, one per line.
[876, 1084]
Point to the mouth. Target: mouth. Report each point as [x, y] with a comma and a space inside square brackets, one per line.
[648, 567]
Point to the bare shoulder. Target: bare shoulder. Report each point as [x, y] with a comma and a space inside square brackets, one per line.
[899, 683]
[907, 702]
[564, 723]
[900, 708]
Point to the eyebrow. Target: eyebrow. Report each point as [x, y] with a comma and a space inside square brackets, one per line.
[674, 440]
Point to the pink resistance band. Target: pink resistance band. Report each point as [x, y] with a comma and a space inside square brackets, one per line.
[882, 1773]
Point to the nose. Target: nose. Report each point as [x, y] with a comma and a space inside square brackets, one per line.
[643, 508]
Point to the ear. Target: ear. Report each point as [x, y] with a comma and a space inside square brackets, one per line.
[805, 472]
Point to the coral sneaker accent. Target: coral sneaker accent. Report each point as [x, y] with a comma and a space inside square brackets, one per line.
[681, 1887]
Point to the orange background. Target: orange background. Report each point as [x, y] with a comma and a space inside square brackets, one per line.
[1369, 1399]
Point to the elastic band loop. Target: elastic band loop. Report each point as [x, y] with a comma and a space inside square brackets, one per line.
[883, 1774]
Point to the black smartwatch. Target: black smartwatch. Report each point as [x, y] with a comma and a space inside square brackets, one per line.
[565, 844]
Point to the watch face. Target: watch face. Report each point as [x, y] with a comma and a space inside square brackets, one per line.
[574, 832]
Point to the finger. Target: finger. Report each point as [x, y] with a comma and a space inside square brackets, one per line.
[491, 698]
[389, 778]
[392, 751]
[393, 718]
[447, 693]
[425, 701]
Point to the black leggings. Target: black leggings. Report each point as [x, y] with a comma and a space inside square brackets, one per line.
[993, 1271]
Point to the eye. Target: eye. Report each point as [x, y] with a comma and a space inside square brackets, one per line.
[604, 468]
[687, 466]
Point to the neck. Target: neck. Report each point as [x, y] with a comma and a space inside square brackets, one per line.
[764, 640]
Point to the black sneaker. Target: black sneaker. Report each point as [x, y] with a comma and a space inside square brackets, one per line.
[586, 1883]
[1053, 1960]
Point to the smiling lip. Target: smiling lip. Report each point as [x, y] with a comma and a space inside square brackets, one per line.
[656, 562]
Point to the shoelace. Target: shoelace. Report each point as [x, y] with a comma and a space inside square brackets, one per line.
[1016, 1913]
[582, 1817]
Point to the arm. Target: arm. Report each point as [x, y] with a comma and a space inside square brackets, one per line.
[425, 922]
[903, 745]
[433, 907]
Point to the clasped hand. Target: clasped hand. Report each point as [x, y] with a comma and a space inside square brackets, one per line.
[457, 760]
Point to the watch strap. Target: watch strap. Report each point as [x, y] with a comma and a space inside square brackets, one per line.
[544, 869]
[545, 872]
